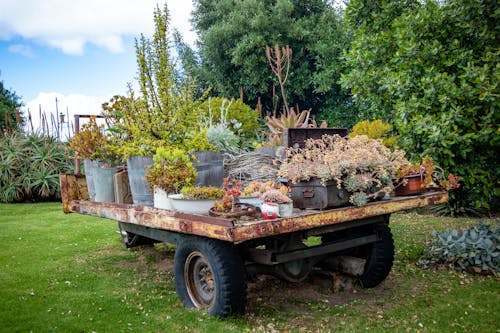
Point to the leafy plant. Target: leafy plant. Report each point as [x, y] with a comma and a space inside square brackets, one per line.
[363, 166]
[425, 169]
[476, 249]
[30, 166]
[91, 142]
[166, 111]
[171, 170]
[432, 174]
[376, 129]
[223, 138]
[203, 192]
[10, 117]
[431, 69]
[241, 119]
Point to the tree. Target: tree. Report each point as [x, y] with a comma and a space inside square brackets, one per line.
[431, 68]
[10, 103]
[232, 40]
[166, 111]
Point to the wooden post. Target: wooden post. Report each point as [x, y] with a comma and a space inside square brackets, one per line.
[78, 168]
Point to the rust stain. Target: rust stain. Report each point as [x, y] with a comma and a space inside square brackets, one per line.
[226, 230]
[314, 219]
[73, 187]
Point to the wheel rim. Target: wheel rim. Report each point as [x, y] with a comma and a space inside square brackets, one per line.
[200, 282]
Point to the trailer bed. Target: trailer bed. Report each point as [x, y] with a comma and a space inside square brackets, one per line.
[236, 231]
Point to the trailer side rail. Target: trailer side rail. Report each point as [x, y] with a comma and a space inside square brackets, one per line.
[235, 231]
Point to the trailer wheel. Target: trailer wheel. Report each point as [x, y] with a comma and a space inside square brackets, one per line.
[379, 259]
[379, 256]
[210, 274]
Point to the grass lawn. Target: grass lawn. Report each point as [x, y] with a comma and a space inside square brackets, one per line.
[70, 273]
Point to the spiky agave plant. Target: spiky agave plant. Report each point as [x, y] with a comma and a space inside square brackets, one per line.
[29, 167]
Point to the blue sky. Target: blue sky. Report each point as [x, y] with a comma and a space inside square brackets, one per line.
[97, 72]
[80, 51]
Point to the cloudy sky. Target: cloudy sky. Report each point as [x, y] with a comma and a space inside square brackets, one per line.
[80, 51]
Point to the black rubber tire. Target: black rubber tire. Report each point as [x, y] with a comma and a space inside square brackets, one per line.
[379, 260]
[209, 274]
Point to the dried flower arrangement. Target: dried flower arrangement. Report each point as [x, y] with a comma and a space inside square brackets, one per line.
[364, 167]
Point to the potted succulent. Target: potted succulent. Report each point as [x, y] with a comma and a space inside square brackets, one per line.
[334, 171]
[229, 205]
[276, 197]
[196, 200]
[415, 178]
[252, 193]
[92, 145]
[170, 172]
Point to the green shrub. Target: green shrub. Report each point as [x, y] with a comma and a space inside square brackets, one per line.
[476, 249]
[431, 69]
[30, 166]
[376, 129]
[241, 118]
[171, 171]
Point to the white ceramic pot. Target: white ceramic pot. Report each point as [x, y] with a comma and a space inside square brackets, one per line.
[286, 210]
[161, 199]
[270, 210]
[200, 207]
[256, 201]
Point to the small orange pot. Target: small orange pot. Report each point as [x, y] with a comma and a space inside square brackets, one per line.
[414, 185]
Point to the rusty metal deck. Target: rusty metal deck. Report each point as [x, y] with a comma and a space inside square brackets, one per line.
[236, 231]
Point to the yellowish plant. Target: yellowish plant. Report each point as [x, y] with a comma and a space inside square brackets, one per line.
[376, 129]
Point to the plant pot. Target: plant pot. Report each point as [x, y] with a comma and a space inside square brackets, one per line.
[190, 206]
[161, 199]
[414, 185]
[312, 194]
[139, 186]
[270, 210]
[209, 168]
[104, 184]
[90, 166]
[286, 210]
[255, 201]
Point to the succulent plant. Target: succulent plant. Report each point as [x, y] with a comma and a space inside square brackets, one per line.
[276, 196]
[477, 249]
[203, 193]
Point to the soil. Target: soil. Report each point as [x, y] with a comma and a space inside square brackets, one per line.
[268, 293]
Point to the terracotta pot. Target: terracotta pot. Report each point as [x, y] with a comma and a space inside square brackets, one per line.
[414, 185]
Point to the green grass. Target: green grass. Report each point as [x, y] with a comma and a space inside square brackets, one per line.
[70, 273]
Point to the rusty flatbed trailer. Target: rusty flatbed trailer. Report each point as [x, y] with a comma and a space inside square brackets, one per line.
[215, 256]
[232, 230]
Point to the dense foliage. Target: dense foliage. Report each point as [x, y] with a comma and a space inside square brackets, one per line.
[232, 40]
[166, 111]
[431, 68]
[30, 166]
[9, 105]
[476, 249]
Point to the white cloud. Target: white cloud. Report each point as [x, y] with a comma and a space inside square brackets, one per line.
[70, 25]
[24, 50]
[44, 105]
